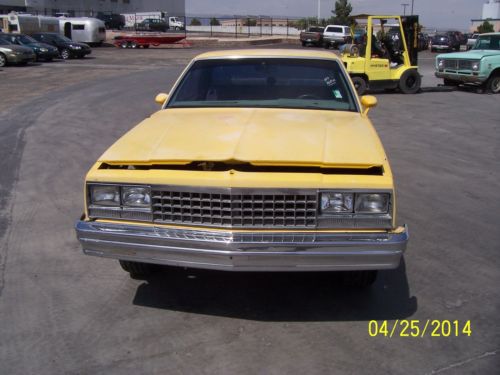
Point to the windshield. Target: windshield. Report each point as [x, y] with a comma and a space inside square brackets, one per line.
[488, 42]
[25, 39]
[4, 41]
[63, 38]
[265, 82]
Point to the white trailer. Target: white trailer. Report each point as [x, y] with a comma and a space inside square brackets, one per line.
[29, 24]
[83, 29]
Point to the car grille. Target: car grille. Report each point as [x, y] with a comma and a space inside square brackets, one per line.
[235, 209]
[458, 64]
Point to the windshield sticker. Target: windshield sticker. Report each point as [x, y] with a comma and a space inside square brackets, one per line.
[337, 94]
[330, 81]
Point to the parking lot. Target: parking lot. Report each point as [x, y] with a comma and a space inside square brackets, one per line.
[63, 312]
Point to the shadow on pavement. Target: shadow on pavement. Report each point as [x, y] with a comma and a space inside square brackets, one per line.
[277, 296]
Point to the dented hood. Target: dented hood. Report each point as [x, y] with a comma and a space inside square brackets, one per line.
[265, 136]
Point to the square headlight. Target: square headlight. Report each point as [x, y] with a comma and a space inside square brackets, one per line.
[334, 202]
[476, 65]
[372, 203]
[105, 195]
[136, 196]
[440, 63]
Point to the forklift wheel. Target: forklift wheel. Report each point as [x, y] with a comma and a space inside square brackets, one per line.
[359, 84]
[410, 81]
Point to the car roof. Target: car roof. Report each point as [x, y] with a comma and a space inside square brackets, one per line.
[487, 34]
[271, 53]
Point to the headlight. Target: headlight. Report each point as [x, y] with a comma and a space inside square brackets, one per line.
[105, 195]
[372, 203]
[440, 63]
[476, 65]
[75, 47]
[44, 50]
[333, 202]
[136, 196]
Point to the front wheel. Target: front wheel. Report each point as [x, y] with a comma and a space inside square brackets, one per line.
[136, 269]
[3, 60]
[65, 54]
[493, 84]
[359, 84]
[410, 82]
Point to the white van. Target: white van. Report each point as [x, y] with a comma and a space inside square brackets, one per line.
[336, 35]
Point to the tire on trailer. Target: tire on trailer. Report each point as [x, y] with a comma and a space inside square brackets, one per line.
[133, 44]
[136, 269]
[493, 83]
[360, 84]
[410, 82]
[124, 44]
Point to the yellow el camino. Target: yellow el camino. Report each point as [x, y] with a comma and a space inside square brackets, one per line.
[259, 160]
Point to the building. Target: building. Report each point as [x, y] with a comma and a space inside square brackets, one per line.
[90, 8]
[491, 13]
[253, 21]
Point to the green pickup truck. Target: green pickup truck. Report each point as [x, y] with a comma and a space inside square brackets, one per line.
[480, 65]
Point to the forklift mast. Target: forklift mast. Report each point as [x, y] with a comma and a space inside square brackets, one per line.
[410, 28]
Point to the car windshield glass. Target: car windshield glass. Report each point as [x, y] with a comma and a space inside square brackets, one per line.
[4, 41]
[62, 38]
[488, 42]
[265, 82]
[25, 39]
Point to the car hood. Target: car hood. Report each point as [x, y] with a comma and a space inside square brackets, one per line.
[16, 47]
[41, 45]
[472, 54]
[258, 136]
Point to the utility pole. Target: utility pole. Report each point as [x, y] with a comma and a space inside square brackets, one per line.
[412, 7]
[404, 8]
[319, 10]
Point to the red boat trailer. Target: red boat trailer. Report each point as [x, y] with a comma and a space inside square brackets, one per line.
[144, 41]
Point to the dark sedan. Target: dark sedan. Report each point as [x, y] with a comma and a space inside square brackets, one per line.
[42, 51]
[67, 48]
[443, 43]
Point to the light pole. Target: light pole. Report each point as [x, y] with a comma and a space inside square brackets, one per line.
[404, 8]
[412, 7]
[319, 10]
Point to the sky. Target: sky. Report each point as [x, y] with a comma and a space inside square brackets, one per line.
[439, 14]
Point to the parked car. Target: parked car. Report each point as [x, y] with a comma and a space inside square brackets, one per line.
[443, 42]
[423, 42]
[209, 180]
[67, 48]
[112, 21]
[336, 35]
[14, 54]
[152, 24]
[480, 65]
[471, 41]
[312, 36]
[42, 51]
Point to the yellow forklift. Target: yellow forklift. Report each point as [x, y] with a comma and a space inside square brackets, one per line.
[383, 53]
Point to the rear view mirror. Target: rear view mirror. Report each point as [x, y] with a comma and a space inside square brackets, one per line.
[161, 98]
[368, 101]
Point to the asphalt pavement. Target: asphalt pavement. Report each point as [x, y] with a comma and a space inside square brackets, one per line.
[64, 312]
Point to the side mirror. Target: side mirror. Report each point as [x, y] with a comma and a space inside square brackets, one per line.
[368, 101]
[161, 98]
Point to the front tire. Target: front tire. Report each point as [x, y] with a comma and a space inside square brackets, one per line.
[136, 269]
[359, 84]
[410, 82]
[3, 60]
[65, 54]
[493, 84]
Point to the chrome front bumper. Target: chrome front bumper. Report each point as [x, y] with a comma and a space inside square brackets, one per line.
[465, 78]
[243, 251]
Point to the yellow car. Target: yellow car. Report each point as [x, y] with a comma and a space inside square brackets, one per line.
[259, 160]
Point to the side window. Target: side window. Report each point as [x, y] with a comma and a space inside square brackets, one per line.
[78, 27]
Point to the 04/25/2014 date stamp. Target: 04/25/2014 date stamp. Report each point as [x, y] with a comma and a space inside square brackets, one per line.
[419, 328]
